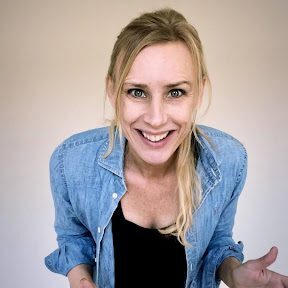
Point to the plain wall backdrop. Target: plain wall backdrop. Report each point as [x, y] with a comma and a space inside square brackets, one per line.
[53, 60]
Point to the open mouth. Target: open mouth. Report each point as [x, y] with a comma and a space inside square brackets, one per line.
[154, 138]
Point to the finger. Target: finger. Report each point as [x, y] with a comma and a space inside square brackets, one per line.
[269, 258]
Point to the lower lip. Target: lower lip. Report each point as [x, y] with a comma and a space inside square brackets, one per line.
[158, 144]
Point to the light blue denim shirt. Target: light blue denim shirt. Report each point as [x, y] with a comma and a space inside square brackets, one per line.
[87, 187]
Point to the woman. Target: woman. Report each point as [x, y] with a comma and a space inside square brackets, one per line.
[156, 192]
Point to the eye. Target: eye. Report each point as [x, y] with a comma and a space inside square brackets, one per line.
[137, 93]
[176, 93]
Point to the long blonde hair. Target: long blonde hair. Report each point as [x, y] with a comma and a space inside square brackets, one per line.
[162, 26]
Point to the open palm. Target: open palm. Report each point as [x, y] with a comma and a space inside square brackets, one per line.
[254, 273]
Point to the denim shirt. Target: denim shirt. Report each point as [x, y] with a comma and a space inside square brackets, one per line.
[87, 187]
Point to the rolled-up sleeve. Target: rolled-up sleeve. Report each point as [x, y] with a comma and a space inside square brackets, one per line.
[75, 243]
[222, 244]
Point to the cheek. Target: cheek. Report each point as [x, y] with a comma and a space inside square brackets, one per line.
[183, 115]
[129, 112]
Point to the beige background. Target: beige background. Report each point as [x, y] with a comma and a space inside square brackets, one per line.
[53, 60]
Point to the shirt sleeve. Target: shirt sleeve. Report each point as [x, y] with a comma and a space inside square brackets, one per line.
[75, 243]
[222, 245]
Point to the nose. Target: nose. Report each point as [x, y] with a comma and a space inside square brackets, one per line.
[155, 115]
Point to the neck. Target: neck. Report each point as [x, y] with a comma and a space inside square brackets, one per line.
[148, 170]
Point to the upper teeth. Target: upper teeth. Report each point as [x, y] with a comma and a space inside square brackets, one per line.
[155, 138]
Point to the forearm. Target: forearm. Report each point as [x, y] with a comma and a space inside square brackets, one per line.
[79, 272]
[225, 270]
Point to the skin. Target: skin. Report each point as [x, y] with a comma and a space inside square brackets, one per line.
[253, 273]
[155, 105]
[80, 277]
[158, 98]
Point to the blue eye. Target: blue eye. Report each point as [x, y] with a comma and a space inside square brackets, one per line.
[176, 93]
[137, 93]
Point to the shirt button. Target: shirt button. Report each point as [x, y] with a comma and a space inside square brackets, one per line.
[99, 229]
[114, 195]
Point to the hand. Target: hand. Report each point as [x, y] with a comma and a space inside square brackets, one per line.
[254, 273]
[84, 283]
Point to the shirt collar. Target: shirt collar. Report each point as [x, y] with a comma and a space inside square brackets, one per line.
[114, 162]
[208, 156]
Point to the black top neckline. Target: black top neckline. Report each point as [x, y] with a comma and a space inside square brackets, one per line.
[144, 257]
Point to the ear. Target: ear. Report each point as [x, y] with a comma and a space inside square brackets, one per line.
[110, 91]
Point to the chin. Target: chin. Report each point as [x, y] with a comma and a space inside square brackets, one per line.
[156, 160]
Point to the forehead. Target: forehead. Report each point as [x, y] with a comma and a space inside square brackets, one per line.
[163, 61]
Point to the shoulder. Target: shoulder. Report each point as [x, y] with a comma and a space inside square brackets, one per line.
[84, 145]
[84, 137]
[220, 142]
[228, 152]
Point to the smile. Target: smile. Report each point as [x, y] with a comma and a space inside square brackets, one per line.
[155, 138]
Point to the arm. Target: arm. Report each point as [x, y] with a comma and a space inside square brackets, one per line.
[225, 270]
[231, 271]
[76, 245]
[221, 245]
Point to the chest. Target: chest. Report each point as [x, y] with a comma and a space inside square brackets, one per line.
[150, 203]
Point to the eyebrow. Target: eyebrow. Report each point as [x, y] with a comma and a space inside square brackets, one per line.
[179, 83]
[135, 84]
[144, 86]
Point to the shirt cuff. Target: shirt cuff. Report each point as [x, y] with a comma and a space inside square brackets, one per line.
[69, 255]
[216, 256]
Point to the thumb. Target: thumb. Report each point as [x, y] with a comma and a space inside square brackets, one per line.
[84, 283]
[269, 258]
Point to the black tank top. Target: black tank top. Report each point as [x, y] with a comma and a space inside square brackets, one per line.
[146, 258]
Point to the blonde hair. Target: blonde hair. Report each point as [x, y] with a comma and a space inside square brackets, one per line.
[163, 26]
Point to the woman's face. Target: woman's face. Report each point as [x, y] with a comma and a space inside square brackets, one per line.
[157, 102]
